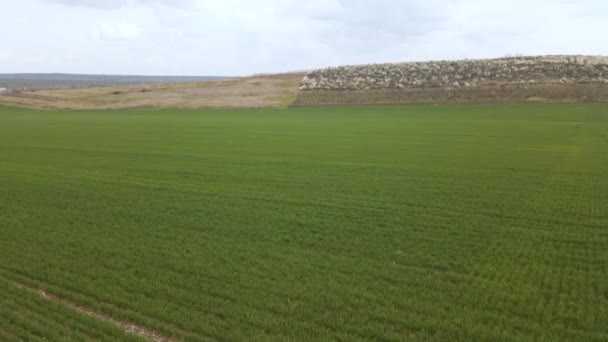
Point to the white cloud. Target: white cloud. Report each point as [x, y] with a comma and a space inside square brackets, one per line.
[117, 31]
[114, 4]
[235, 37]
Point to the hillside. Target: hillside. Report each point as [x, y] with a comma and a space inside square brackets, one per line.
[257, 91]
[503, 80]
[540, 79]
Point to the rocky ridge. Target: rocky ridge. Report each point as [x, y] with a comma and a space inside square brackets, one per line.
[463, 73]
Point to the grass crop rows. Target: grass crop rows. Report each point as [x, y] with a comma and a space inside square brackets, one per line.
[402, 223]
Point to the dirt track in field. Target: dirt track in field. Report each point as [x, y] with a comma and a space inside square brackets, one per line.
[127, 327]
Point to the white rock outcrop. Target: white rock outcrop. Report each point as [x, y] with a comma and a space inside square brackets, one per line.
[463, 73]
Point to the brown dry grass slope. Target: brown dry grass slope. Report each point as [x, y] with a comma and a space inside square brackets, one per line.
[253, 92]
[483, 94]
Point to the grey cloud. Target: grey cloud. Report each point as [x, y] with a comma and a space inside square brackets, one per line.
[241, 36]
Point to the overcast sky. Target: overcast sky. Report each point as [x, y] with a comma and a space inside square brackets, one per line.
[239, 37]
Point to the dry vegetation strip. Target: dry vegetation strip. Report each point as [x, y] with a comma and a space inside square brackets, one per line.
[259, 91]
[492, 93]
[280, 91]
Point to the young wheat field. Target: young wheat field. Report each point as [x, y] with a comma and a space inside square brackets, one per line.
[436, 223]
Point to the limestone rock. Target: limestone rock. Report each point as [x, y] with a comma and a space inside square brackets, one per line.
[467, 73]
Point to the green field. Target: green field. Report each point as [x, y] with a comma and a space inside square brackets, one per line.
[399, 223]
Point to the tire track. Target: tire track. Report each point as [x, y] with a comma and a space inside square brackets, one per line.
[126, 326]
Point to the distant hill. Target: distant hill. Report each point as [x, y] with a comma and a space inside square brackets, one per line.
[67, 81]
